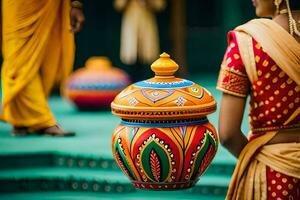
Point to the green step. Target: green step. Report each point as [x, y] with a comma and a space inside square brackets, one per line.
[139, 195]
[92, 180]
[82, 161]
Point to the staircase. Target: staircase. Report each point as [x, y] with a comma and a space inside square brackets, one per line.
[60, 172]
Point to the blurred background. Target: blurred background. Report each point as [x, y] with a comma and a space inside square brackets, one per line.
[203, 26]
[193, 32]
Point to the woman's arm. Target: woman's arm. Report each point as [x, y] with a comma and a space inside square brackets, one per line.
[230, 120]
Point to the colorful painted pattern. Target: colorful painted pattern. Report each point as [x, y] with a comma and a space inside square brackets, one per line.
[96, 85]
[164, 158]
[192, 100]
[165, 96]
[164, 141]
[152, 84]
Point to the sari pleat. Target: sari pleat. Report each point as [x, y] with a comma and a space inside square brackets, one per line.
[38, 51]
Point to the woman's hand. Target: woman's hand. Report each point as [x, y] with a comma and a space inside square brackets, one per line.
[77, 19]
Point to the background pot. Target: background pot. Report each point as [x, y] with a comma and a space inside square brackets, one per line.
[95, 86]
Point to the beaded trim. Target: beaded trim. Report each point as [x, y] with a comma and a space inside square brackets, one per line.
[165, 114]
[232, 70]
[164, 186]
[275, 128]
[164, 123]
[164, 85]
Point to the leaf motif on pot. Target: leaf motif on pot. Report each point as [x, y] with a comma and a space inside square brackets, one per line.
[122, 161]
[205, 154]
[155, 165]
[121, 164]
[206, 160]
[155, 162]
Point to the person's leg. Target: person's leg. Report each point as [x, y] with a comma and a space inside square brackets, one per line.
[29, 109]
[29, 112]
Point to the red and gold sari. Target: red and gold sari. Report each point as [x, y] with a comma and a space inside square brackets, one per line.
[262, 60]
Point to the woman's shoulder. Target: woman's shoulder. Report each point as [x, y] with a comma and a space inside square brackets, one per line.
[257, 47]
[256, 21]
[260, 21]
[232, 38]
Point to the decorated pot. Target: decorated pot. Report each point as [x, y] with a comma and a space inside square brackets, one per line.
[95, 86]
[164, 140]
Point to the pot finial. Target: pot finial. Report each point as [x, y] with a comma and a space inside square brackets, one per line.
[164, 66]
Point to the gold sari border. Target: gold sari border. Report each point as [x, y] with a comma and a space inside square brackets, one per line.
[278, 43]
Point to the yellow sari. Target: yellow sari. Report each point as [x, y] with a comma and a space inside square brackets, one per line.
[38, 51]
[249, 178]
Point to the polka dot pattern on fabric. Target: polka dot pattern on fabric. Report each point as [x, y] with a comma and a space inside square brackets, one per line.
[281, 186]
[274, 96]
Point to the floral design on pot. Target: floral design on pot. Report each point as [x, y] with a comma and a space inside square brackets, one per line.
[164, 140]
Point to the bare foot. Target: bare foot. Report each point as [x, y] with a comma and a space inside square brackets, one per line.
[19, 131]
[55, 131]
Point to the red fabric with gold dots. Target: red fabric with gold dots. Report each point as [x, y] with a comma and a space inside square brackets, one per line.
[282, 187]
[233, 78]
[274, 96]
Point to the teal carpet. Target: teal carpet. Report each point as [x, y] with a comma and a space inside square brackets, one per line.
[82, 167]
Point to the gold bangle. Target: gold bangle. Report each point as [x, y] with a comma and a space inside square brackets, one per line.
[77, 4]
[283, 11]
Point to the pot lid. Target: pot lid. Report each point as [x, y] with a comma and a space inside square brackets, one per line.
[163, 96]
